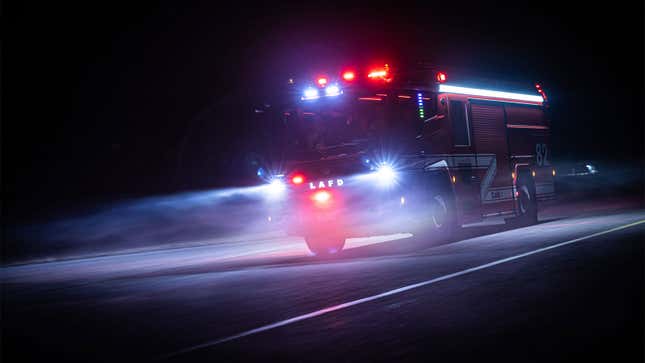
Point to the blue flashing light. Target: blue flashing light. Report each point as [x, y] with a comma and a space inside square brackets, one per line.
[332, 90]
[310, 94]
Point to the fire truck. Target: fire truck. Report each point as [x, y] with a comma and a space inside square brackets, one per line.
[384, 149]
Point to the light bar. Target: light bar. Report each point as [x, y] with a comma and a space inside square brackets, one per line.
[492, 94]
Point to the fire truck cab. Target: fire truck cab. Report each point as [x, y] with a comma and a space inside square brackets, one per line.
[383, 149]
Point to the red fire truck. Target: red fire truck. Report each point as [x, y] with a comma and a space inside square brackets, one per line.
[387, 149]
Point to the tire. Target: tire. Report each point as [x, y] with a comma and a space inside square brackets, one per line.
[443, 217]
[324, 246]
[527, 203]
[439, 219]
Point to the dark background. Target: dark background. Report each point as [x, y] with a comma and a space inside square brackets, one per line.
[107, 100]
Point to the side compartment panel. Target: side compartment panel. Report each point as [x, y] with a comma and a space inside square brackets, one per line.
[489, 137]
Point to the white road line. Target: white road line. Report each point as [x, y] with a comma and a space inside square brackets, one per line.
[333, 308]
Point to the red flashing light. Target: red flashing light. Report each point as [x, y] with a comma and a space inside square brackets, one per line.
[441, 77]
[541, 91]
[380, 74]
[349, 76]
[321, 197]
[377, 74]
[298, 179]
[322, 81]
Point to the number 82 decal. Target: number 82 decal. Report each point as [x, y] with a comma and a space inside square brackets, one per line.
[541, 154]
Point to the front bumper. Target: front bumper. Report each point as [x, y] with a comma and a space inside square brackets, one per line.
[387, 214]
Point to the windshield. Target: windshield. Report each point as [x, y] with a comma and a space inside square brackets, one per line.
[322, 130]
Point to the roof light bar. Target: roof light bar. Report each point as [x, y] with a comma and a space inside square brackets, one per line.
[492, 94]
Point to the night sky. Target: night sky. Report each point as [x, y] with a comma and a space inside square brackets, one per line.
[106, 100]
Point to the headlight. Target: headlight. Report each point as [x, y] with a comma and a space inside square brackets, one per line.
[386, 175]
[276, 188]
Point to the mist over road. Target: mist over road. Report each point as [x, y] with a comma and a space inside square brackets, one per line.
[386, 298]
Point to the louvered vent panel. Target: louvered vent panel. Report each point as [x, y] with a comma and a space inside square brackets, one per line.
[489, 128]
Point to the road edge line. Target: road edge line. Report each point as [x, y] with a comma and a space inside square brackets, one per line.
[399, 290]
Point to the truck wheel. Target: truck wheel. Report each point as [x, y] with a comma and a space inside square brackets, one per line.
[323, 246]
[443, 218]
[527, 204]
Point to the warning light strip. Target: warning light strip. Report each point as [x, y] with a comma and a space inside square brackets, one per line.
[488, 93]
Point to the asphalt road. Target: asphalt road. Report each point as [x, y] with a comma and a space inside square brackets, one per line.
[568, 288]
